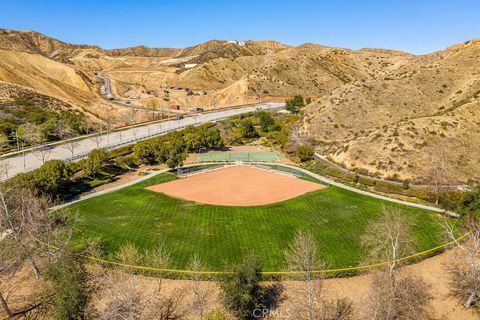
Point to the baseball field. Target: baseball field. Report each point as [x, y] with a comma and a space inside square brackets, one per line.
[146, 215]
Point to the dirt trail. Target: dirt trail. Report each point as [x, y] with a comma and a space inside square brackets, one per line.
[432, 270]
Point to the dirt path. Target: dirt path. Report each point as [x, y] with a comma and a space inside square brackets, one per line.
[432, 270]
[23, 288]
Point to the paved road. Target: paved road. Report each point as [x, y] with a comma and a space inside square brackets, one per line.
[122, 137]
[108, 92]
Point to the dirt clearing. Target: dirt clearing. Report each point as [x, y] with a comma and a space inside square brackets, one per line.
[237, 186]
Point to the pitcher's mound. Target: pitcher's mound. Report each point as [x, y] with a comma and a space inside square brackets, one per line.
[237, 186]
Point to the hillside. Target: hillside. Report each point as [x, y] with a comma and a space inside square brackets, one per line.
[37, 43]
[393, 124]
[375, 110]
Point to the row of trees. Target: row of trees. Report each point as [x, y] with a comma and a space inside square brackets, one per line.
[173, 147]
[49, 180]
[32, 125]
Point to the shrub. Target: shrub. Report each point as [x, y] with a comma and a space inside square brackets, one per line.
[97, 159]
[266, 120]
[49, 179]
[247, 130]
[242, 292]
[471, 201]
[304, 153]
[126, 162]
[294, 105]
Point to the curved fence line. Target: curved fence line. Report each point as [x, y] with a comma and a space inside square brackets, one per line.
[272, 273]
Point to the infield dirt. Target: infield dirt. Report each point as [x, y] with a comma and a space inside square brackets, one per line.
[237, 186]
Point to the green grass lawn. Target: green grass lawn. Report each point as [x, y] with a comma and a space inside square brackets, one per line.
[222, 236]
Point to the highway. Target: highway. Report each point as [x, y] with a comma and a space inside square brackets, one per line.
[114, 139]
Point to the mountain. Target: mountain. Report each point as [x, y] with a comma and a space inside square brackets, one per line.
[394, 123]
[37, 43]
[379, 111]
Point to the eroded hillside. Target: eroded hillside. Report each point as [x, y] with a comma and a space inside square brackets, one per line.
[395, 123]
[378, 111]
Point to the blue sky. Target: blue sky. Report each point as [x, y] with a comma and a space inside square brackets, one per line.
[419, 26]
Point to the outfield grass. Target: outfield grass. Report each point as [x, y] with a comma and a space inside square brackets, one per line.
[222, 236]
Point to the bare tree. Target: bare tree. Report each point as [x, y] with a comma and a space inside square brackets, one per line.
[32, 134]
[98, 137]
[393, 295]
[130, 118]
[465, 265]
[201, 289]
[438, 173]
[152, 110]
[168, 308]
[125, 295]
[22, 216]
[129, 299]
[71, 145]
[109, 122]
[42, 153]
[9, 263]
[66, 133]
[302, 255]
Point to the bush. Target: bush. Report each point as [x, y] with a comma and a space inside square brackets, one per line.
[294, 105]
[471, 202]
[126, 162]
[242, 292]
[97, 159]
[247, 129]
[49, 179]
[304, 153]
[266, 120]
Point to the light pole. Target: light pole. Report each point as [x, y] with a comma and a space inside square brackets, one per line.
[16, 138]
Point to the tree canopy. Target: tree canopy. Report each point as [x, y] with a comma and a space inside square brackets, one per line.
[293, 105]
